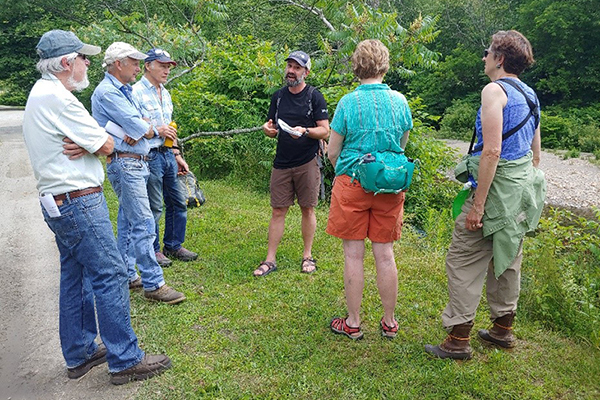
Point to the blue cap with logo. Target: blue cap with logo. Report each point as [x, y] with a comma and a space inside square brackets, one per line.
[300, 57]
[57, 43]
[159, 55]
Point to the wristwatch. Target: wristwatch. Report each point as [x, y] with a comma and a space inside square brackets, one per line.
[306, 132]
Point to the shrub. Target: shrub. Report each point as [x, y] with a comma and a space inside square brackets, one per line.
[589, 138]
[561, 288]
[458, 120]
[557, 131]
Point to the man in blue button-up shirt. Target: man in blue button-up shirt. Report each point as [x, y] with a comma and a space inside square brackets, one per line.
[154, 102]
[127, 171]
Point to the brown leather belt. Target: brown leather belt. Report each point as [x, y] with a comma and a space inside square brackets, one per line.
[110, 157]
[77, 193]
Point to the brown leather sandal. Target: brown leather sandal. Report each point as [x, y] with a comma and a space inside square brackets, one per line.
[271, 266]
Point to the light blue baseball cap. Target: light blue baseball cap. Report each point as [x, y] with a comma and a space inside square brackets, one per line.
[57, 43]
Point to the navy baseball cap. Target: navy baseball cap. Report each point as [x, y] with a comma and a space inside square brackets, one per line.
[159, 55]
[300, 57]
[59, 43]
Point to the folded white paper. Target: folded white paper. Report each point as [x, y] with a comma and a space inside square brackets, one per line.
[286, 128]
[49, 205]
[115, 130]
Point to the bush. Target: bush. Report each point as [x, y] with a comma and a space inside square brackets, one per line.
[561, 288]
[557, 132]
[459, 119]
[589, 138]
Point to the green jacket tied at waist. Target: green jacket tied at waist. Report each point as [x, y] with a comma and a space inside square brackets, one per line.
[513, 206]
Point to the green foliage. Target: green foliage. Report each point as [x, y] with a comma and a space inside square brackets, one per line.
[231, 90]
[430, 188]
[575, 129]
[562, 286]
[457, 77]
[565, 36]
[459, 120]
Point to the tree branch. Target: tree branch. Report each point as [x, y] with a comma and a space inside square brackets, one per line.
[317, 11]
[124, 27]
[221, 133]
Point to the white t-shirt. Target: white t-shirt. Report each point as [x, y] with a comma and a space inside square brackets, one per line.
[51, 113]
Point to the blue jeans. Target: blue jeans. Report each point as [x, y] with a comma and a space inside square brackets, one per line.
[163, 183]
[135, 222]
[91, 268]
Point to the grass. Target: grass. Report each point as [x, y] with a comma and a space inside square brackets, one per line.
[239, 337]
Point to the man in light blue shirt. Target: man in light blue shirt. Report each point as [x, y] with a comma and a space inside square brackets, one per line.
[127, 170]
[164, 161]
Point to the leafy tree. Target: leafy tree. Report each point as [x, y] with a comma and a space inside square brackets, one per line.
[565, 37]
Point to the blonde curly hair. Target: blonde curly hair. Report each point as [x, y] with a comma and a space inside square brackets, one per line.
[371, 59]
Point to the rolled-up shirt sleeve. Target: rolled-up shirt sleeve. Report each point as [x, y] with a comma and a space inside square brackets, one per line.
[123, 113]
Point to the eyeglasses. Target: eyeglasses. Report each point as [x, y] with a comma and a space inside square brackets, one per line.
[486, 52]
[83, 56]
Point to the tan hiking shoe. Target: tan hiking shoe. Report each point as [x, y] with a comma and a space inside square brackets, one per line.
[166, 294]
[150, 366]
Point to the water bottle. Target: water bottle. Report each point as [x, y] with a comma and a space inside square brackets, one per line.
[169, 141]
[460, 199]
[367, 158]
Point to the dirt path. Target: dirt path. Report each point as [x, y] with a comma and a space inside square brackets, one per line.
[31, 362]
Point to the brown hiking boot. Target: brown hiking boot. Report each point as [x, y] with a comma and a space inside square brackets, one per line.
[97, 358]
[136, 283]
[501, 332]
[456, 345]
[150, 366]
[166, 294]
[182, 254]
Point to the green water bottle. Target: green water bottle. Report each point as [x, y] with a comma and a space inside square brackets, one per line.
[460, 199]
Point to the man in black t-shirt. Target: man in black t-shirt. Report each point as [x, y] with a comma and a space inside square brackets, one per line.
[298, 119]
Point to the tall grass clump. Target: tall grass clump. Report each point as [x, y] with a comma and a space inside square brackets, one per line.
[561, 286]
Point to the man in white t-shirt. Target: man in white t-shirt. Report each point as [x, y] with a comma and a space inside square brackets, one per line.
[64, 143]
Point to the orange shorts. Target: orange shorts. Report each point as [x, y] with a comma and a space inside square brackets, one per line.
[355, 214]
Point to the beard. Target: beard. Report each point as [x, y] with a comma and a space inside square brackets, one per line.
[293, 81]
[78, 86]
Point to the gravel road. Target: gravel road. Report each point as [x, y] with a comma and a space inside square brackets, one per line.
[31, 363]
[573, 183]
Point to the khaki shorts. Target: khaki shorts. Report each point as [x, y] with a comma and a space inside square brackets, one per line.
[355, 214]
[302, 182]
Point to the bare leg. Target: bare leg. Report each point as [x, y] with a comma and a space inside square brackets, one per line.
[309, 225]
[276, 228]
[354, 279]
[387, 279]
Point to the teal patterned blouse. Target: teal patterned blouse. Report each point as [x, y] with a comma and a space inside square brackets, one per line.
[371, 118]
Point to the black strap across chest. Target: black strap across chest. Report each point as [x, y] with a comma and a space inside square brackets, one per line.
[309, 114]
[533, 112]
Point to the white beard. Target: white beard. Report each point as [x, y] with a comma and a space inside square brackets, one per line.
[78, 86]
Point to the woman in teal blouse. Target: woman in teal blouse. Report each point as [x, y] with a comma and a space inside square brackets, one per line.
[371, 118]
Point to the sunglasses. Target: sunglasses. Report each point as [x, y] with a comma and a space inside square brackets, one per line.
[486, 52]
[160, 52]
[83, 56]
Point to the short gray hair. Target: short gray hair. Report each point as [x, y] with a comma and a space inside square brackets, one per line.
[54, 65]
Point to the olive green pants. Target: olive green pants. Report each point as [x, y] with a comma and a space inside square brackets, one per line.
[470, 258]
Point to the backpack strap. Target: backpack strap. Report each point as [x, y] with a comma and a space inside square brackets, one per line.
[309, 114]
[533, 112]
